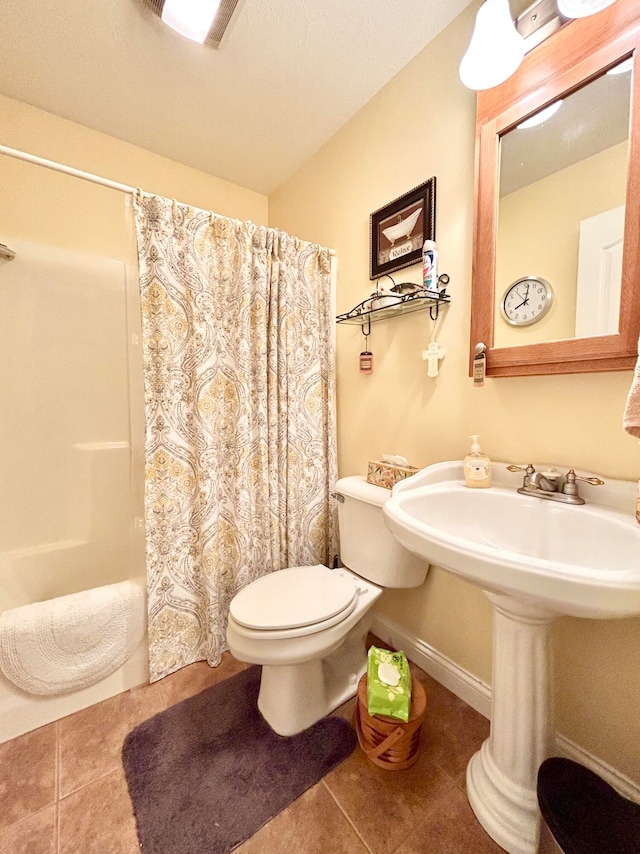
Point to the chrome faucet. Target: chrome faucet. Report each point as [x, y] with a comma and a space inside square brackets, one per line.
[551, 485]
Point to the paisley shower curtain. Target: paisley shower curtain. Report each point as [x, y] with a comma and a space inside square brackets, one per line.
[239, 371]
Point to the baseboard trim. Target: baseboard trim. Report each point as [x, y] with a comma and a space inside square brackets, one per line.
[477, 694]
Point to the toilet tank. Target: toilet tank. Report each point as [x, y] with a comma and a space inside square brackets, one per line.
[367, 547]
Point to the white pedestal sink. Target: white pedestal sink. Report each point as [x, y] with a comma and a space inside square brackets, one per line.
[535, 559]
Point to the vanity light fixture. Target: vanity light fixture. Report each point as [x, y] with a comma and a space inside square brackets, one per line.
[496, 48]
[498, 42]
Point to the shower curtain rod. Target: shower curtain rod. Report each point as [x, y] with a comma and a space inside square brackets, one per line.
[76, 173]
[68, 170]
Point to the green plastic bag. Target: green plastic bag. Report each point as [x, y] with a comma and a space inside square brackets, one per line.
[388, 684]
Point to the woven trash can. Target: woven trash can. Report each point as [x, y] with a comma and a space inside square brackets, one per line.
[388, 742]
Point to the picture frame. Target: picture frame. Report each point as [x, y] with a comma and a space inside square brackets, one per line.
[399, 229]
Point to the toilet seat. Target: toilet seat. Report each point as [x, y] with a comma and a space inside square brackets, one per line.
[294, 602]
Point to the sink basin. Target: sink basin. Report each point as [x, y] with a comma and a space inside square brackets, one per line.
[535, 559]
[581, 561]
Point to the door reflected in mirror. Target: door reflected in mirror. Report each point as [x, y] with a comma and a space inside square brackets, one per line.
[563, 181]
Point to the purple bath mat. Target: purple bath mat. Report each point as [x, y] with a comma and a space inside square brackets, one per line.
[207, 773]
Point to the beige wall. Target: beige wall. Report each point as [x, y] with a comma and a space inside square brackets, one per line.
[422, 124]
[28, 129]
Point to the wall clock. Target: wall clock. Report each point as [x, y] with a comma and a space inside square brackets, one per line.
[526, 300]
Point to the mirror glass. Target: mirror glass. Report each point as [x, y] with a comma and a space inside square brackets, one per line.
[561, 213]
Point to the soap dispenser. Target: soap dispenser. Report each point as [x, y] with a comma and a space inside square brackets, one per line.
[477, 467]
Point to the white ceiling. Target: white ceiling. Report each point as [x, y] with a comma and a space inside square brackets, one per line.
[288, 75]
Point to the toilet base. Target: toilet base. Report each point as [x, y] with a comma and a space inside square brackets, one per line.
[294, 696]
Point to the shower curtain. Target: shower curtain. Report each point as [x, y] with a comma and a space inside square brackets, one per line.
[239, 366]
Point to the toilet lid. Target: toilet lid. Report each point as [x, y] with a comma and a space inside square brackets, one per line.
[294, 597]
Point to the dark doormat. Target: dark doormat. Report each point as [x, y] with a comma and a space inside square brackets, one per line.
[207, 773]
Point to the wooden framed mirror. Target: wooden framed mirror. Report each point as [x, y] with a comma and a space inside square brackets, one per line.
[570, 200]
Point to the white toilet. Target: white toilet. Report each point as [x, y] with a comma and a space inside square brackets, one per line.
[307, 626]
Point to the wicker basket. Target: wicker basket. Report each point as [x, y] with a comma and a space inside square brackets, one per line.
[389, 742]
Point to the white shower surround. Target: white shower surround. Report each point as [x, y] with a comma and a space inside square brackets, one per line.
[72, 519]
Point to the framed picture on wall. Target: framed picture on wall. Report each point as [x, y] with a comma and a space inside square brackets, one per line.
[399, 229]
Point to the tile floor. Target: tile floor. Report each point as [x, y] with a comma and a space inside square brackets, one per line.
[63, 791]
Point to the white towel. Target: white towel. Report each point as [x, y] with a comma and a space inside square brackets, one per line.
[74, 641]
[631, 419]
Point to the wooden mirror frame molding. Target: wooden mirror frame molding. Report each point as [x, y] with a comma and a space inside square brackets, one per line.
[567, 60]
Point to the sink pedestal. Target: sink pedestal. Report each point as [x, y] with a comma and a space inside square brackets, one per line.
[502, 775]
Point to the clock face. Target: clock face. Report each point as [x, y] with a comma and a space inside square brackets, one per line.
[526, 301]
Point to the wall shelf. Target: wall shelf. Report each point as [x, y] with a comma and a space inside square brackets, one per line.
[420, 300]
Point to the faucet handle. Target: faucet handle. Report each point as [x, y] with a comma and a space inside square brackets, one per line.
[594, 481]
[570, 487]
[528, 468]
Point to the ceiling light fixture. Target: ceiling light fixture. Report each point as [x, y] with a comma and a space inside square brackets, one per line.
[205, 21]
[496, 48]
[497, 45]
[191, 18]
